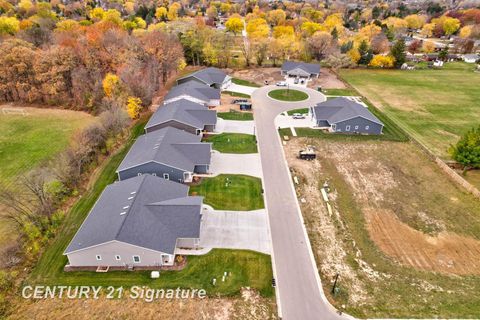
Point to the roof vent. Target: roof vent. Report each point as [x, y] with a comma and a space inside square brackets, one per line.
[126, 207]
[130, 198]
[122, 213]
[133, 192]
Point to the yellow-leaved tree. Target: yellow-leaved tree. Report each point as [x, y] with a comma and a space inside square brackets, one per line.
[111, 85]
[354, 55]
[234, 24]
[161, 13]
[380, 61]
[134, 106]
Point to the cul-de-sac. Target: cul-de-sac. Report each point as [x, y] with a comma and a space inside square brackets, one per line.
[240, 159]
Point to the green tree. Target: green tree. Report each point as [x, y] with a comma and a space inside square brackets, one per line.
[467, 150]
[366, 54]
[398, 52]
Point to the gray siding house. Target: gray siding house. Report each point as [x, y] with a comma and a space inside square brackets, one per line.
[300, 69]
[184, 115]
[343, 115]
[139, 222]
[169, 153]
[212, 77]
[194, 91]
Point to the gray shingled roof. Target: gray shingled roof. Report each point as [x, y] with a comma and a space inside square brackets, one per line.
[144, 211]
[194, 89]
[311, 68]
[184, 111]
[340, 109]
[209, 76]
[169, 146]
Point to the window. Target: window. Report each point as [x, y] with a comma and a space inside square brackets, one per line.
[136, 259]
[117, 257]
[99, 257]
[166, 176]
[367, 127]
[347, 128]
[139, 174]
[356, 127]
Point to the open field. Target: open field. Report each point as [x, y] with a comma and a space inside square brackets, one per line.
[288, 95]
[250, 305]
[434, 106]
[235, 115]
[247, 83]
[233, 143]
[404, 239]
[27, 141]
[231, 192]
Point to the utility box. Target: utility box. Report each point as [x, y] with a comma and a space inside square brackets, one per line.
[307, 154]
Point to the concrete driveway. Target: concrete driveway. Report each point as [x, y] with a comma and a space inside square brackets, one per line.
[284, 121]
[235, 230]
[230, 163]
[233, 126]
[299, 291]
[241, 89]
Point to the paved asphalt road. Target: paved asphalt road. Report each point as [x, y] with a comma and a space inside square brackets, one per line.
[298, 284]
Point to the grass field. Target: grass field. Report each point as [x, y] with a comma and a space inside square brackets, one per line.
[435, 106]
[301, 111]
[288, 95]
[233, 143]
[27, 141]
[231, 192]
[239, 116]
[247, 83]
[236, 94]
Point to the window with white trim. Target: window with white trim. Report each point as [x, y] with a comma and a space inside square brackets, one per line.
[154, 174]
[98, 257]
[356, 127]
[166, 176]
[139, 174]
[117, 257]
[136, 259]
[367, 127]
[347, 128]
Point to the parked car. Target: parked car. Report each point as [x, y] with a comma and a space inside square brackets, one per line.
[239, 101]
[298, 116]
[281, 84]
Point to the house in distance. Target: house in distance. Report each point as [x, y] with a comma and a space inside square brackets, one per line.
[300, 69]
[212, 77]
[196, 92]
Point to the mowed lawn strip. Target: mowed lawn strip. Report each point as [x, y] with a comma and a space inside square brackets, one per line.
[233, 143]
[301, 111]
[238, 116]
[247, 268]
[247, 83]
[434, 106]
[288, 95]
[231, 192]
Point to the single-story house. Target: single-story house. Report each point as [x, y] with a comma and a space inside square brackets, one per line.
[195, 92]
[169, 153]
[471, 58]
[212, 77]
[345, 116]
[139, 222]
[300, 69]
[185, 115]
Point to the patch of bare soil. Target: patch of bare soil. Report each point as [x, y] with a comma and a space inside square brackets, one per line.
[323, 228]
[373, 180]
[327, 80]
[447, 252]
[226, 104]
[259, 75]
[249, 306]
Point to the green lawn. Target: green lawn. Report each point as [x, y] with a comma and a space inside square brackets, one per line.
[301, 111]
[235, 115]
[247, 83]
[236, 94]
[288, 95]
[231, 192]
[233, 143]
[27, 141]
[247, 268]
[434, 106]
[340, 92]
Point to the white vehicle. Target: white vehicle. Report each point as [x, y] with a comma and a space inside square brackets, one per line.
[298, 116]
[281, 84]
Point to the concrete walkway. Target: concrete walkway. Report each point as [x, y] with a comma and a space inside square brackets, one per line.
[235, 230]
[234, 126]
[230, 163]
[241, 89]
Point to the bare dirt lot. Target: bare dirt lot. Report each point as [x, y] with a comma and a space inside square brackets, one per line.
[403, 238]
[249, 306]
